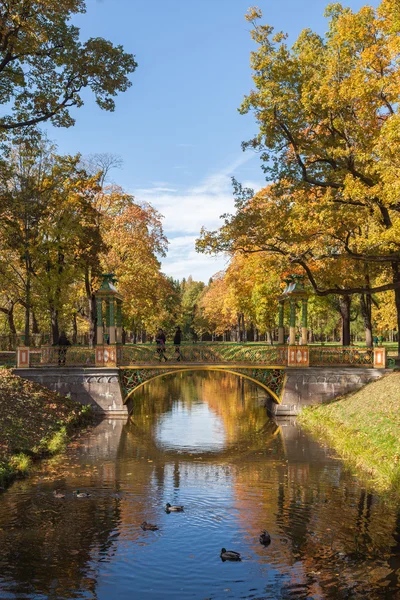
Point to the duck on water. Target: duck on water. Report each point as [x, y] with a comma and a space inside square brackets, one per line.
[229, 555]
[173, 508]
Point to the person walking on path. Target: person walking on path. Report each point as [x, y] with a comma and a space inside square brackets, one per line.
[160, 341]
[177, 343]
[63, 343]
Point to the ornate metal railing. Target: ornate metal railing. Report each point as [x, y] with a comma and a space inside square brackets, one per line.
[202, 354]
[8, 359]
[67, 356]
[340, 356]
[205, 354]
[35, 357]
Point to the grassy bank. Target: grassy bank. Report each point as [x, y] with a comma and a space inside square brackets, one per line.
[34, 423]
[364, 429]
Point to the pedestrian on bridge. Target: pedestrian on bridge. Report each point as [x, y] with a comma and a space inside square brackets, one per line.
[160, 341]
[177, 343]
[63, 343]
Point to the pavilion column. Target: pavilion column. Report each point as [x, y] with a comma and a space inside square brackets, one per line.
[304, 326]
[99, 329]
[281, 328]
[292, 323]
[112, 332]
[107, 331]
[119, 321]
[108, 350]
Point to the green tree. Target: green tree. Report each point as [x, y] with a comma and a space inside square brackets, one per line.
[44, 67]
[191, 292]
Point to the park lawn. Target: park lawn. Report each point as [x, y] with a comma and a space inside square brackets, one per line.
[34, 422]
[364, 428]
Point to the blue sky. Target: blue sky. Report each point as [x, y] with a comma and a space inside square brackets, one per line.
[177, 129]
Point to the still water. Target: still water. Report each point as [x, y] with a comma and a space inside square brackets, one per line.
[202, 440]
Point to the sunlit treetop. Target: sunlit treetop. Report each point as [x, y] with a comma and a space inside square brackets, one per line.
[44, 66]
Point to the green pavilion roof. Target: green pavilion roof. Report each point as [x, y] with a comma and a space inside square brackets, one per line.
[294, 288]
[107, 288]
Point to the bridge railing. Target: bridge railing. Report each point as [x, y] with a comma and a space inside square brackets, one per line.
[204, 354]
[8, 359]
[63, 356]
[335, 356]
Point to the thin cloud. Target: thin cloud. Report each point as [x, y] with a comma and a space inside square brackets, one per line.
[154, 190]
[187, 211]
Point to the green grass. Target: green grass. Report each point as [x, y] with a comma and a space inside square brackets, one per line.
[57, 441]
[364, 429]
[20, 463]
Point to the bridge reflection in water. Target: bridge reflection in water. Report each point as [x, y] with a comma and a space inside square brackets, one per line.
[202, 440]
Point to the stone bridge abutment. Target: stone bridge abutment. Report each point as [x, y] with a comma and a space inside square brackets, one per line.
[105, 388]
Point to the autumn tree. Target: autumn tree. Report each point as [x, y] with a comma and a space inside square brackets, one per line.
[71, 240]
[215, 307]
[254, 281]
[23, 202]
[12, 285]
[44, 67]
[135, 243]
[327, 111]
[49, 228]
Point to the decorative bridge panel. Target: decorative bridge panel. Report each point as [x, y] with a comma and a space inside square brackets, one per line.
[205, 354]
[341, 356]
[271, 379]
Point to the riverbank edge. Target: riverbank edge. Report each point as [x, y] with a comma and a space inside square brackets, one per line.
[17, 465]
[363, 428]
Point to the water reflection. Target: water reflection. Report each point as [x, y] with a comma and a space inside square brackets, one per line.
[203, 441]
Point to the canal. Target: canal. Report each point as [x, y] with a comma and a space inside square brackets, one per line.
[203, 441]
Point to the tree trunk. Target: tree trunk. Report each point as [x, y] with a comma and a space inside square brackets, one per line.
[55, 332]
[344, 309]
[10, 318]
[396, 279]
[238, 331]
[27, 304]
[366, 311]
[92, 312]
[244, 330]
[74, 329]
[35, 324]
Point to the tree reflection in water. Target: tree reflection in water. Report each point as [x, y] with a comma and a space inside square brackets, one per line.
[332, 538]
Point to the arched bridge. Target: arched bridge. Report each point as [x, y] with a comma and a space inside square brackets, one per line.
[264, 365]
[270, 378]
[293, 376]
